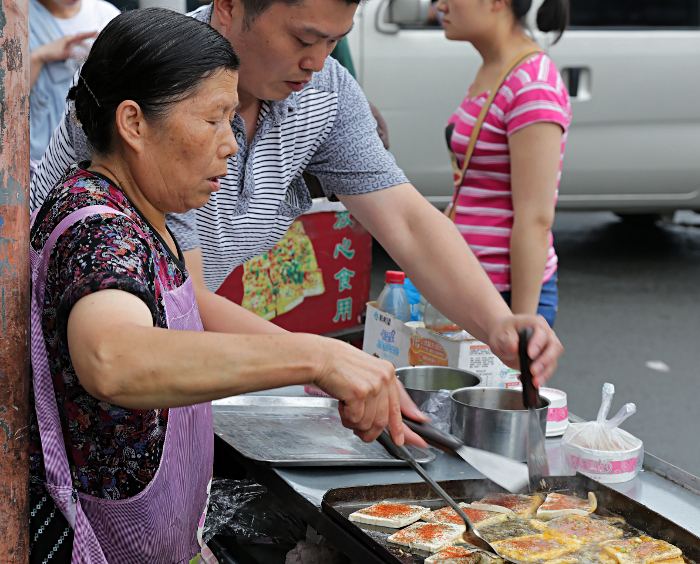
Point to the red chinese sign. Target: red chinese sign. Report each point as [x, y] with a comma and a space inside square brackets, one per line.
[315, 280]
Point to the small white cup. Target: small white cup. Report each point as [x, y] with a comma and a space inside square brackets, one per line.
[558, 413]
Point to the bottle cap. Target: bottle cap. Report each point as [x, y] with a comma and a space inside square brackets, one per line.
[394, 277]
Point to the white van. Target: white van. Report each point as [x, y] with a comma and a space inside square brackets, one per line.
[632, 68]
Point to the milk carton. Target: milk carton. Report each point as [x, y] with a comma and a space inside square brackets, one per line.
[411, 344]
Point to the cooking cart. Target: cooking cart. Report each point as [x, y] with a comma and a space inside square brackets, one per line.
[662, 488]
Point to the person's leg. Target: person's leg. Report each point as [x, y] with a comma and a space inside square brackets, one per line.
[549, 300]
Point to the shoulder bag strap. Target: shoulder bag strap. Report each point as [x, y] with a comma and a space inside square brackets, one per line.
[480, 121]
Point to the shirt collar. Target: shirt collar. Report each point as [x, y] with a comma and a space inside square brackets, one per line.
[283, 109]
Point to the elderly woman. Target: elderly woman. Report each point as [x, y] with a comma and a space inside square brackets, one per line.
[122, 435]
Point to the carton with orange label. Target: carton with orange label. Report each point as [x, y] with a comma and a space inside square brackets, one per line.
[411, 344]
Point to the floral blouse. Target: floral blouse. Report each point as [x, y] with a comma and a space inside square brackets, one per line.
[113, 451]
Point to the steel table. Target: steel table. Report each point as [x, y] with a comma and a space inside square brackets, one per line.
[660, 486]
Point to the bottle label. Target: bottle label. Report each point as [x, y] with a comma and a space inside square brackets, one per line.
[385, 319]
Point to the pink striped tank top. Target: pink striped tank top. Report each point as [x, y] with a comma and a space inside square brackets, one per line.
[534, 92]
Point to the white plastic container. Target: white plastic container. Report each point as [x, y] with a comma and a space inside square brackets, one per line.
[558, 412]
[607, 467]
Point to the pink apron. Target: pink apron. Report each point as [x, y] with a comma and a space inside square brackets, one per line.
[159, 524]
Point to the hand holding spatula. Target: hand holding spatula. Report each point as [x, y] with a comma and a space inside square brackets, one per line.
[537, 463]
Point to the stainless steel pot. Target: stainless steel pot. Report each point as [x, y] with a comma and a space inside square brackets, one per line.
[494, 419]
[424, 382]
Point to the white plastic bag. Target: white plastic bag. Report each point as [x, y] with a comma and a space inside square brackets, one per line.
[439, 409]
[600, 449]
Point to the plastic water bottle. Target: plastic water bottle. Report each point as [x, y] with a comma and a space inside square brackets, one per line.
[393, 298]
[414, 300]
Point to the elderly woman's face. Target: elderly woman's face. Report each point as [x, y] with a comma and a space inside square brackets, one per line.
[185, 154]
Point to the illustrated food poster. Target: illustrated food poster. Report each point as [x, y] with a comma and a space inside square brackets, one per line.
[316, 279]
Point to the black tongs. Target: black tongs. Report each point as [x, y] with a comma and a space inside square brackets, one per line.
[402, 453]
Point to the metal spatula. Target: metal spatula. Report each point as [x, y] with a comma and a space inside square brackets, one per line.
[402, 453]
[506, 472]
[537, 463]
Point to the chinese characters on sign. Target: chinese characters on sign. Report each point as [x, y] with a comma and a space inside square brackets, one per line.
[343, 219]
[343, 278]
[344, 249]
[343, 310]
[315, 280]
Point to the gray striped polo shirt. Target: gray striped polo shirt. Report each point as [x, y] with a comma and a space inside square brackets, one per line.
[326, 129]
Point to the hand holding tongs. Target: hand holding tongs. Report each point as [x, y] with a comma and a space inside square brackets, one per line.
[402, 453]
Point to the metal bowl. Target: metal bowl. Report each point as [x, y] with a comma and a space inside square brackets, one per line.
[424, 382]
[494, 419]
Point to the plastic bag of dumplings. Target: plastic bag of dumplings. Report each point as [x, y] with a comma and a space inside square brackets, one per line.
[600, 449]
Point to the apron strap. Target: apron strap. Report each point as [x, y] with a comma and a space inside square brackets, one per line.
[59, 484]
[460, 174]
[53, 446]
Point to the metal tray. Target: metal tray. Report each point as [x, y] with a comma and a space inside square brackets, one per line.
[339, 503]
[297, 431]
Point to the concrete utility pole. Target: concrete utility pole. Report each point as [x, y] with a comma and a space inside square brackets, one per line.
[14, 281]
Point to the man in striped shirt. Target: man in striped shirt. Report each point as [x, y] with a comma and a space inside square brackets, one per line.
[301, 111]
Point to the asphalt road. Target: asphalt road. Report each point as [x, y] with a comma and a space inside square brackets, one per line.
[629, 295]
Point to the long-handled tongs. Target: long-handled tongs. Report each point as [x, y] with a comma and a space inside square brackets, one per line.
[402, 453]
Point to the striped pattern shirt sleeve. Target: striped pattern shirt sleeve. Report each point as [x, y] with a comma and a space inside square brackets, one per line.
[538, 95]
[68, 145]
[352, 159]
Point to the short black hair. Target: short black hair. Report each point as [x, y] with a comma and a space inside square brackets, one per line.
[254, 8]
[155, 57]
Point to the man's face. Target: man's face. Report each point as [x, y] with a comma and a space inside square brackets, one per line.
[286, 44]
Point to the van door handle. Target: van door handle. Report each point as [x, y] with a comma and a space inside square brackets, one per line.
[578, 82]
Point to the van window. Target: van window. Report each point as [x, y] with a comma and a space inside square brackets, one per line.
[635, 13]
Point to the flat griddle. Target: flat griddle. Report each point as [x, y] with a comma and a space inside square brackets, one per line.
[341, 502]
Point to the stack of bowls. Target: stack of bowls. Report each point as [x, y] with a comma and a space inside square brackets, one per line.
[558, 414]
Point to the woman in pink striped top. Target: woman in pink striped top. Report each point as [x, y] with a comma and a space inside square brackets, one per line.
[505, 207]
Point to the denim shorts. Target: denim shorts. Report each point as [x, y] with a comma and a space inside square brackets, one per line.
[549, 300]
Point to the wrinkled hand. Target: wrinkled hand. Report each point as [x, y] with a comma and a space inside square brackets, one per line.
[544, 348]
[60, 49]
[370, 397]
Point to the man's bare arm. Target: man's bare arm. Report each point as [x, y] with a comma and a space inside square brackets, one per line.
[433, 253]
